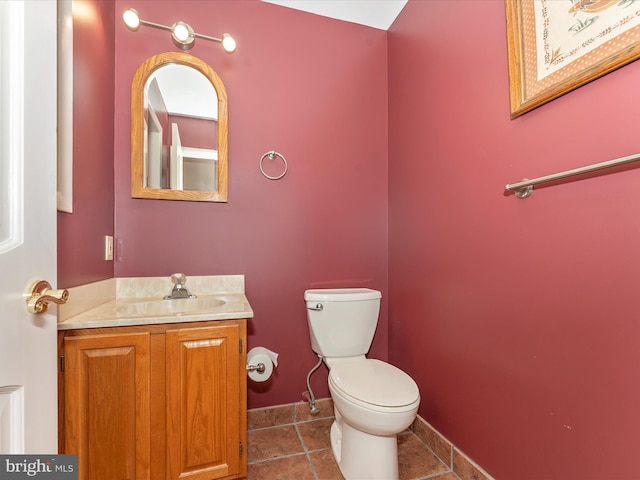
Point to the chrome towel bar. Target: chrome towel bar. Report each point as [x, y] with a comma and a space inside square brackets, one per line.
[524, 188]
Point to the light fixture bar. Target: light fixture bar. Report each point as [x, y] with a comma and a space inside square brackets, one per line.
[154, 25]
[181, 33]
[207, 37]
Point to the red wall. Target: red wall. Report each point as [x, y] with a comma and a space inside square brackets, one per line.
[517, 318]
[315, 90]
[81, 233]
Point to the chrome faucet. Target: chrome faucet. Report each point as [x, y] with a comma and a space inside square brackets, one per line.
[179, 290]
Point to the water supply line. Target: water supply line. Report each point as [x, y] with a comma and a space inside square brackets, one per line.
[312, 399]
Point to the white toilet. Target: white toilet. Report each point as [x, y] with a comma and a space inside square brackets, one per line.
[373, 401]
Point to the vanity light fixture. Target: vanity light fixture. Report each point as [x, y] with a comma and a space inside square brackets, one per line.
[182, 34]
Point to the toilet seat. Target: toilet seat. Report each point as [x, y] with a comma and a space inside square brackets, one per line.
[375, 383]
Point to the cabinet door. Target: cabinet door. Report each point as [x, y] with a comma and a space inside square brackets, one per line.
[203, 402]
[107, 405]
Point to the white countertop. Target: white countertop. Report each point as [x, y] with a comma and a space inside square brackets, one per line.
[139, 301]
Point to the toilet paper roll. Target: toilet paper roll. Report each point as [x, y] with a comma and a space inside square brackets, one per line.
[261, 355]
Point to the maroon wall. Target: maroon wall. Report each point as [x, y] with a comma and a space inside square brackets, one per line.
[196, 132]
[81, 233]
[315, 90]
[517, 318]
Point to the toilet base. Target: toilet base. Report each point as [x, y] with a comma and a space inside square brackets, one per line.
[362, 456]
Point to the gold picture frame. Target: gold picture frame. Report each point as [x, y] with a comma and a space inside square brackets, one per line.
[556, 46]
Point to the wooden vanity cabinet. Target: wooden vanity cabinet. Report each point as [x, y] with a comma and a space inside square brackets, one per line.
[155, 401]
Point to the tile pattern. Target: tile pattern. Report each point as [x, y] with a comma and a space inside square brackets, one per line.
[460, 464]
[287, 442]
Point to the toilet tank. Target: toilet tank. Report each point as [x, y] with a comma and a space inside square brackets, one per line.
[342, 321]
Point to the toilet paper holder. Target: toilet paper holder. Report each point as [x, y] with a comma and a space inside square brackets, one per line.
[260, 368]
[260, 364]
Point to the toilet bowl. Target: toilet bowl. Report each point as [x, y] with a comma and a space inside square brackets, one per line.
[373, 402]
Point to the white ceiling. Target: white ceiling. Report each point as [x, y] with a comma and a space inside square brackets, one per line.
[373, 13]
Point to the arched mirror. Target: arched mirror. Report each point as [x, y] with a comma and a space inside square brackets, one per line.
[179, 132]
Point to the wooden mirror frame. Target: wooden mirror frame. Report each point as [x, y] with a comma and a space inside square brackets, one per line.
[138, 190]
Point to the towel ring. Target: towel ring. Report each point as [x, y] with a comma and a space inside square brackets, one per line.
[271, 156]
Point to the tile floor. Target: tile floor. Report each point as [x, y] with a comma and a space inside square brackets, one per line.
[287, 442]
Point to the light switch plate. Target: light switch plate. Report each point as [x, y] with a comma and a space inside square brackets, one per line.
[108, 247]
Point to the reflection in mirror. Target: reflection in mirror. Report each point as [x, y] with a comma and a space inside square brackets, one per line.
[179, 130]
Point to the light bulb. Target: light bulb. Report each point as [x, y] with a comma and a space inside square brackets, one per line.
[131, 19]
[228, 43]
[183, 35]
[181, 32]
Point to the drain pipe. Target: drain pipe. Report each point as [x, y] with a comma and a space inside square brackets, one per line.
[312, 399]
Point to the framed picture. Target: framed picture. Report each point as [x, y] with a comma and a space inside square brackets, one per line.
[556, 46]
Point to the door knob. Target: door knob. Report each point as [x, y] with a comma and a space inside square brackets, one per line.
[40, 294]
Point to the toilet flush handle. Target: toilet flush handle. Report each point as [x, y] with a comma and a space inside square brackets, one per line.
[318, 307]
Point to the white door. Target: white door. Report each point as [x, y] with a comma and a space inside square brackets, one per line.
[176, 170]
[28, 372]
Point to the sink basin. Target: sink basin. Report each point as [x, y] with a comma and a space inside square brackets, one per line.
[156, 308]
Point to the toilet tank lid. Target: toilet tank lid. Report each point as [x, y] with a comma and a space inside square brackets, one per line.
[341, 294]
